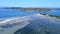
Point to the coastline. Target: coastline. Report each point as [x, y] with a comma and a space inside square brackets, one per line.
[23, 22]
[25, 18]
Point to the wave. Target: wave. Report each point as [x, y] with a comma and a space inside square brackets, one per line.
[5, 20]
[7, 23]
[14, 20]
[15, 23]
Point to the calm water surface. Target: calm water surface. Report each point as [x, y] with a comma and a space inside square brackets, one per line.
[4, 13]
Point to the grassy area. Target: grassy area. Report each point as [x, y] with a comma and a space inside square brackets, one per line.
[57, 17]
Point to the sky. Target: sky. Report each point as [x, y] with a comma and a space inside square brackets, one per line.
[30, 3]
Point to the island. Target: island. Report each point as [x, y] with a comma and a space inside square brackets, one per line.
[30, 9]
[35, 9]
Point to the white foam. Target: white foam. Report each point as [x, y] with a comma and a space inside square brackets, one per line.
[7, 20]
[12, 20]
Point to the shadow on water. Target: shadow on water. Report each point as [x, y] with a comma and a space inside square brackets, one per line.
[33, 28]
[40, 26]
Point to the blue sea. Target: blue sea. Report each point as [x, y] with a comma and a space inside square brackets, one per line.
[54, 12]
[6, 13]
[38, 25]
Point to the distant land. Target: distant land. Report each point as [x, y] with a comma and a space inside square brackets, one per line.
[32, 9]
[35, 9]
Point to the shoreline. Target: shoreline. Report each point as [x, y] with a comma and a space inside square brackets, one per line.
[24, 18]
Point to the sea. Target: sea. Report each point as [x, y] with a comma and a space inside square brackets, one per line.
[6, 13]
[35, 26]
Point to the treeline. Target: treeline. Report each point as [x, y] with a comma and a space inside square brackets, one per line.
[33, 9]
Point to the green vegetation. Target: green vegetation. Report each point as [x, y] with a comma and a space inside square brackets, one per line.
[30, 9]
[57, 17]
[36, 9]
